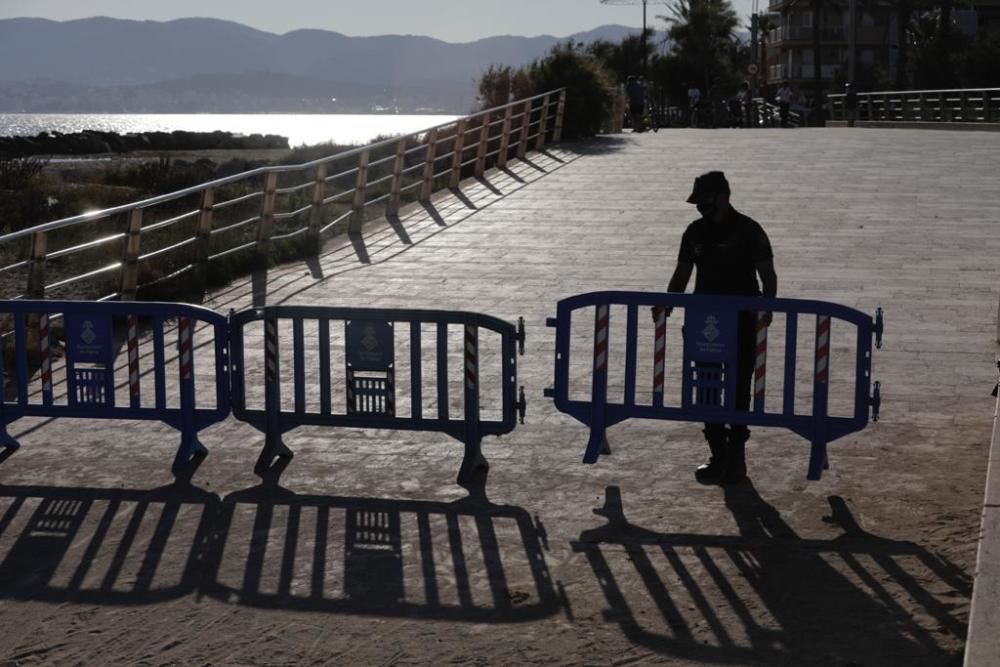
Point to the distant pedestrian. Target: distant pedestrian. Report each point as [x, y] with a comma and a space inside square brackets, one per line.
[635, 92]
[729, 251]
[784, 99]
[850, 104]
[694, 103]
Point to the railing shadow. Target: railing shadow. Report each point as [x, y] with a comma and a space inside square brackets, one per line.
[769, 596]
[267, 547]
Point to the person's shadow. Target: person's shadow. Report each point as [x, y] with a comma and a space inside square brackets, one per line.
[769, 596]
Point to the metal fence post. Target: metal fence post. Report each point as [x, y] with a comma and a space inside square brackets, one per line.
[987, 108]
[484, 140]
[36, 266]
[266, 224]
[397, 177]
[458, 149]
[505, 137]
[945, 108]
[870, 105]
[522, 139]
[428, 184]
[128, 284]
[203, 237]
[316, 210]
[360, 194]
[560, 111]
[542, 124]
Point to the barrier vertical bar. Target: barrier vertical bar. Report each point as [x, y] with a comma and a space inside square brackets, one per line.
[159, 364]
[659, 357]
[458, 149]
[46, 361]
[442, 370]
[130, 257]
[817, 456]
[132, 343]
[522, 139]
[203, 237]
[543, 124]
[473, 459]
[299, 360]
[760, 364]
[505, 137]
[598, 442]
[560, 112]
[397, 178]
[266, 224]
[325, 398]
[791, 335]
[416, 374]
[189, 447]
[631, 343]
[360, 194]
[21, 352]
[484, 140]
[274, 448]
[429, 159]
[316, 207]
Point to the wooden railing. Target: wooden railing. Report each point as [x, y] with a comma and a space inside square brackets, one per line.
[264, 214]
[966, 105]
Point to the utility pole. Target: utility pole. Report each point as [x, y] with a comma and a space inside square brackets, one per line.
[852, 48]
[754, 47]
[817, 11]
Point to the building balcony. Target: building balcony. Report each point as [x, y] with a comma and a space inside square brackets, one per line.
[800, 72]
[865, 36]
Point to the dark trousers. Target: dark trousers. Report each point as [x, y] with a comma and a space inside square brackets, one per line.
[746, 354]
[783, 110]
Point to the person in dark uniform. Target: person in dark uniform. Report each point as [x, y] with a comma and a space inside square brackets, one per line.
[635, 91]
[730, 251]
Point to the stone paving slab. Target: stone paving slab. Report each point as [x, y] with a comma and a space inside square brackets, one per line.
[628, 561]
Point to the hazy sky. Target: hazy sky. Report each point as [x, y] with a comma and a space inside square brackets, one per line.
[450, 20]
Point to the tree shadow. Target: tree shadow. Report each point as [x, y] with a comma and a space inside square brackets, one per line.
[769, 596]
[268, 547]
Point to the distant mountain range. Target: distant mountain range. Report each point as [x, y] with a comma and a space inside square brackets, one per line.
[105, 65]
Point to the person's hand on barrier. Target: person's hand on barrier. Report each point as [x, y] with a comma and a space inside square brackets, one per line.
[656, 310]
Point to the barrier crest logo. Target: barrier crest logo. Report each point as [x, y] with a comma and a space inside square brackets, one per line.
[711, 330]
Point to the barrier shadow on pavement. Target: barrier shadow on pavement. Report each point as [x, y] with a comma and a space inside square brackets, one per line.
[769, 596]
[266, 547]
[467, 560]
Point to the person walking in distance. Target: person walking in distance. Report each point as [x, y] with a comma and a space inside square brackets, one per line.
[784, 98]
[635, 91]
[729, 251]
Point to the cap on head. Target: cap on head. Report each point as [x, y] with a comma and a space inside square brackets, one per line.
[707, 185]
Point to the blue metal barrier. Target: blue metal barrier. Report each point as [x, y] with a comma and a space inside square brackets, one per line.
[93, 334]
[370, 399]
[709, 368]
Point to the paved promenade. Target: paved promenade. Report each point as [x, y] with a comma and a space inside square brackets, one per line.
[625, 562]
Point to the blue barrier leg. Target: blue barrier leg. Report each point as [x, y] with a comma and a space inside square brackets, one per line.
[6, 441]
[189, 449]
[598, 443]
[817, 460]
[473, 461]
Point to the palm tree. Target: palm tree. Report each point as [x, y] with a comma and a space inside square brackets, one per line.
[701, 31]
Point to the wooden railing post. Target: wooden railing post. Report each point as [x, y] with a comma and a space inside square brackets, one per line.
[431, 155]
[129, 279]
[484, 140]
[922, 107]
[360, 194]
[397, 177]
[522, 139]
[542, 124]
[316, 208]
[266, 224]
[505, 137]
[36, 266]
[560, 111]
[458, 148]
[203, 237]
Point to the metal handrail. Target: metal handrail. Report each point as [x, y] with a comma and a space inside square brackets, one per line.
[399, 168]
[943, 105]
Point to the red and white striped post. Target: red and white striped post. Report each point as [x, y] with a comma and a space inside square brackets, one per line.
[133, 362]
[185, 347]
[43, 348]
[473, 459]
[817, 457]
[598, 443]
[659, 357]
[760, 364]
[822, 349]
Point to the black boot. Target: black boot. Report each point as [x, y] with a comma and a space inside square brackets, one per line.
[735, 469]
[712, 471]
